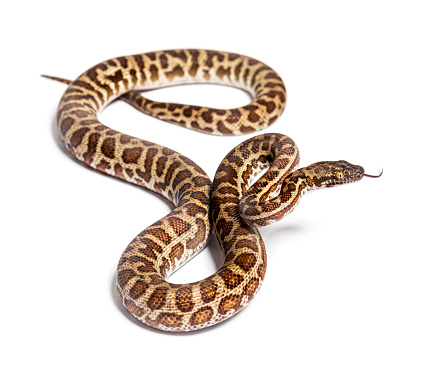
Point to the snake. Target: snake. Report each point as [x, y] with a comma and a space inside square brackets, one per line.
[234, 205]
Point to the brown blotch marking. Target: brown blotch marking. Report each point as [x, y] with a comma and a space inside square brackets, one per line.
[208, 291]
[231, 279]
[151, 56]
[124, 276]
[108, 148]
[187, 112]
[246, 75]
[223, 72]
[177, 71]
[253, 117]
[194, 125]
[237, 70]
[78, 136]
[223, 129]
[116, 77]
[125, 139]
[174, 106]
[201, 316]
[229, 303]
[169, 319]
[91, 147]
[234, 116]
[131, 155]
[184, 299]
[123, 61]
[163, 61]
[270, 106]
[138, 289]
[161, 234]
[246, 129]
[246, 261]
[158, 298]
[154, 72]
[160, 165]
[140, 62]
[194, 62]
[207, 116]
[178, 225]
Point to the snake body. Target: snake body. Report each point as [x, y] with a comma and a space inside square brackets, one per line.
[235, 210]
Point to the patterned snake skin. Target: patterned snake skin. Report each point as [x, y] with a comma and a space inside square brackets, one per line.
[166, 245]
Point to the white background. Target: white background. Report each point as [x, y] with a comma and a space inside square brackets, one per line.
[352, 292]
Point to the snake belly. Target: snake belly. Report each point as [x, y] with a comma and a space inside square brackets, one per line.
[166, 245]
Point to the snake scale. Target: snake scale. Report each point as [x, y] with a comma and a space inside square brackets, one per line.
[229, 205]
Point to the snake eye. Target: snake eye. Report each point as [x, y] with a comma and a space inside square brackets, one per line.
[339, 175]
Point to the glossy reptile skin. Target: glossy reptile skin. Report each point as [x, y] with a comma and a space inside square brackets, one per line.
[166, 245]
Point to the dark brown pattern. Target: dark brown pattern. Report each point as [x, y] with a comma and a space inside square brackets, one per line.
[167, 244]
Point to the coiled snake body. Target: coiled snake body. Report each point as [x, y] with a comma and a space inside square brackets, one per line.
[235, 210]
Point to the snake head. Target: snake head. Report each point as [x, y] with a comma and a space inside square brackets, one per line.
[332, 173]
